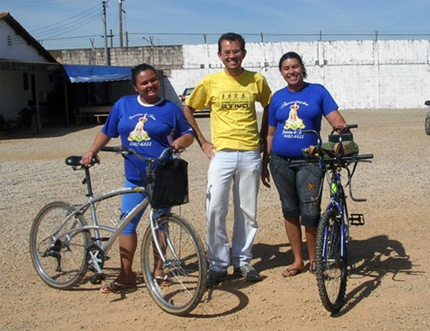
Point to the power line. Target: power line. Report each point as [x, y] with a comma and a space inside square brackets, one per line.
[74, 18]
[59, 28]
[68, 27]
[55, 30]
[68, 38]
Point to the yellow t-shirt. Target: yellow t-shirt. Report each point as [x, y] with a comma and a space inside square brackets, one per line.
[232, 107]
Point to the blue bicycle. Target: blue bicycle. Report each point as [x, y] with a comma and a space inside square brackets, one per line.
[340, 153]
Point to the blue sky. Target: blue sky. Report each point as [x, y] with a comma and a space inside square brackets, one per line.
[78, 23]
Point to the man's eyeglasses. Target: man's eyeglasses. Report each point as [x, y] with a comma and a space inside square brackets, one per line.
[230, 53]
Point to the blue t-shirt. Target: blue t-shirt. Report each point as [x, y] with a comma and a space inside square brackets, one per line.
[290, 112]
[147, 129]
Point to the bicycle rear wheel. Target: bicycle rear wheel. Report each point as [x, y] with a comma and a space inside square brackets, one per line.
[331, 267]
[61, 263]
[180, 285]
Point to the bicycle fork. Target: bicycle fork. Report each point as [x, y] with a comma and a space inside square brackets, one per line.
[337, 234]
[335, 238]
[161, 239]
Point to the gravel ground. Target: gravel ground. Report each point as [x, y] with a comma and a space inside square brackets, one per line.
[388, 276]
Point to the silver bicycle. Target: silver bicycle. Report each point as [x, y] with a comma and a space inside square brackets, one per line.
[64, 245]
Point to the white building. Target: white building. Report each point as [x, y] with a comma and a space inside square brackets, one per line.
[28, 72]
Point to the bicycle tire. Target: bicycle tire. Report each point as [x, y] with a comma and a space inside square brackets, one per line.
[331, 267]
[61, 264]
[182, 290]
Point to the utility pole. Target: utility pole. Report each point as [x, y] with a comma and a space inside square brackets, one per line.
[121, 43]
[105, 36]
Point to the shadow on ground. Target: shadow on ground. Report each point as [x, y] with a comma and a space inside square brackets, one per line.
[371, 260]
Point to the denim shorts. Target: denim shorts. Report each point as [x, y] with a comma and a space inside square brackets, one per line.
[298, 188]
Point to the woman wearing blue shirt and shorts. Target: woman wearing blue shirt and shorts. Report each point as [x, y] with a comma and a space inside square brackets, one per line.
[146, 123]
[300, 105]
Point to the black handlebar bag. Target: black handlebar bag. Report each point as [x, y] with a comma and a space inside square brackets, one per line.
[168, 186]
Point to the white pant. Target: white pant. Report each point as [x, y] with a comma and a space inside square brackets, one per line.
[244, 169]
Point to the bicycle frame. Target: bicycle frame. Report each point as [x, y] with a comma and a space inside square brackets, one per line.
[95, 226]
[115, 232]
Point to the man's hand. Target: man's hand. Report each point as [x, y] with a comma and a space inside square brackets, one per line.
[209, 149]
[265, 177]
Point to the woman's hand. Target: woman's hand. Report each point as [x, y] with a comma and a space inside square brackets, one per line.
[87, 157]
[336, 120]
[99, 141]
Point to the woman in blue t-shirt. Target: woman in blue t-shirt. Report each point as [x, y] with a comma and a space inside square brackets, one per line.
[148, 124]
[300, 105]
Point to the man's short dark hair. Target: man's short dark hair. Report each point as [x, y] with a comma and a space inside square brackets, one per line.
[231, 36]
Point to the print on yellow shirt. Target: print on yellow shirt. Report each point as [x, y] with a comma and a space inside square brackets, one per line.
[235, 100]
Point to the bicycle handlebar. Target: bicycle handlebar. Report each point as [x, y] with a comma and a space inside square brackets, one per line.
[342, 159]
[116, 149]
[128, 151]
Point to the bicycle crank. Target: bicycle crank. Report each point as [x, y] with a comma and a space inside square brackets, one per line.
[95, 258]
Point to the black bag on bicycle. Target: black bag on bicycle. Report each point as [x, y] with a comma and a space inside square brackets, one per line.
[169, 185]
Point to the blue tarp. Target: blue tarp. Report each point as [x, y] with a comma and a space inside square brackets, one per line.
[91, 74]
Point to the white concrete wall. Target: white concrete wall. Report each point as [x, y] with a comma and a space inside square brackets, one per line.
[359, 74]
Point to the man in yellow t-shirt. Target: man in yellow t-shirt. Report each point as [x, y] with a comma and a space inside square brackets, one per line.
[234, 154]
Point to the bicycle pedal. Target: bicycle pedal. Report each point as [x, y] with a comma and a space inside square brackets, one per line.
[356, 219]
[97, 278]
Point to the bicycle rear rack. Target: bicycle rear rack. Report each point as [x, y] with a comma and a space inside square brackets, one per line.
[356, 219]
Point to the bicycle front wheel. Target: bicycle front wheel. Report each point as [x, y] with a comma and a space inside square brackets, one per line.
[61, 262]
[177, 282]
[331, 267]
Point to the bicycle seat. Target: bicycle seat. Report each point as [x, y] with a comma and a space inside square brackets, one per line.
[75, 161]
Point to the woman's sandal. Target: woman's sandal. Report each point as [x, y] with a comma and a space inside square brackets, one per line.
[163, 281]
[312, 267]
[116, 287]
